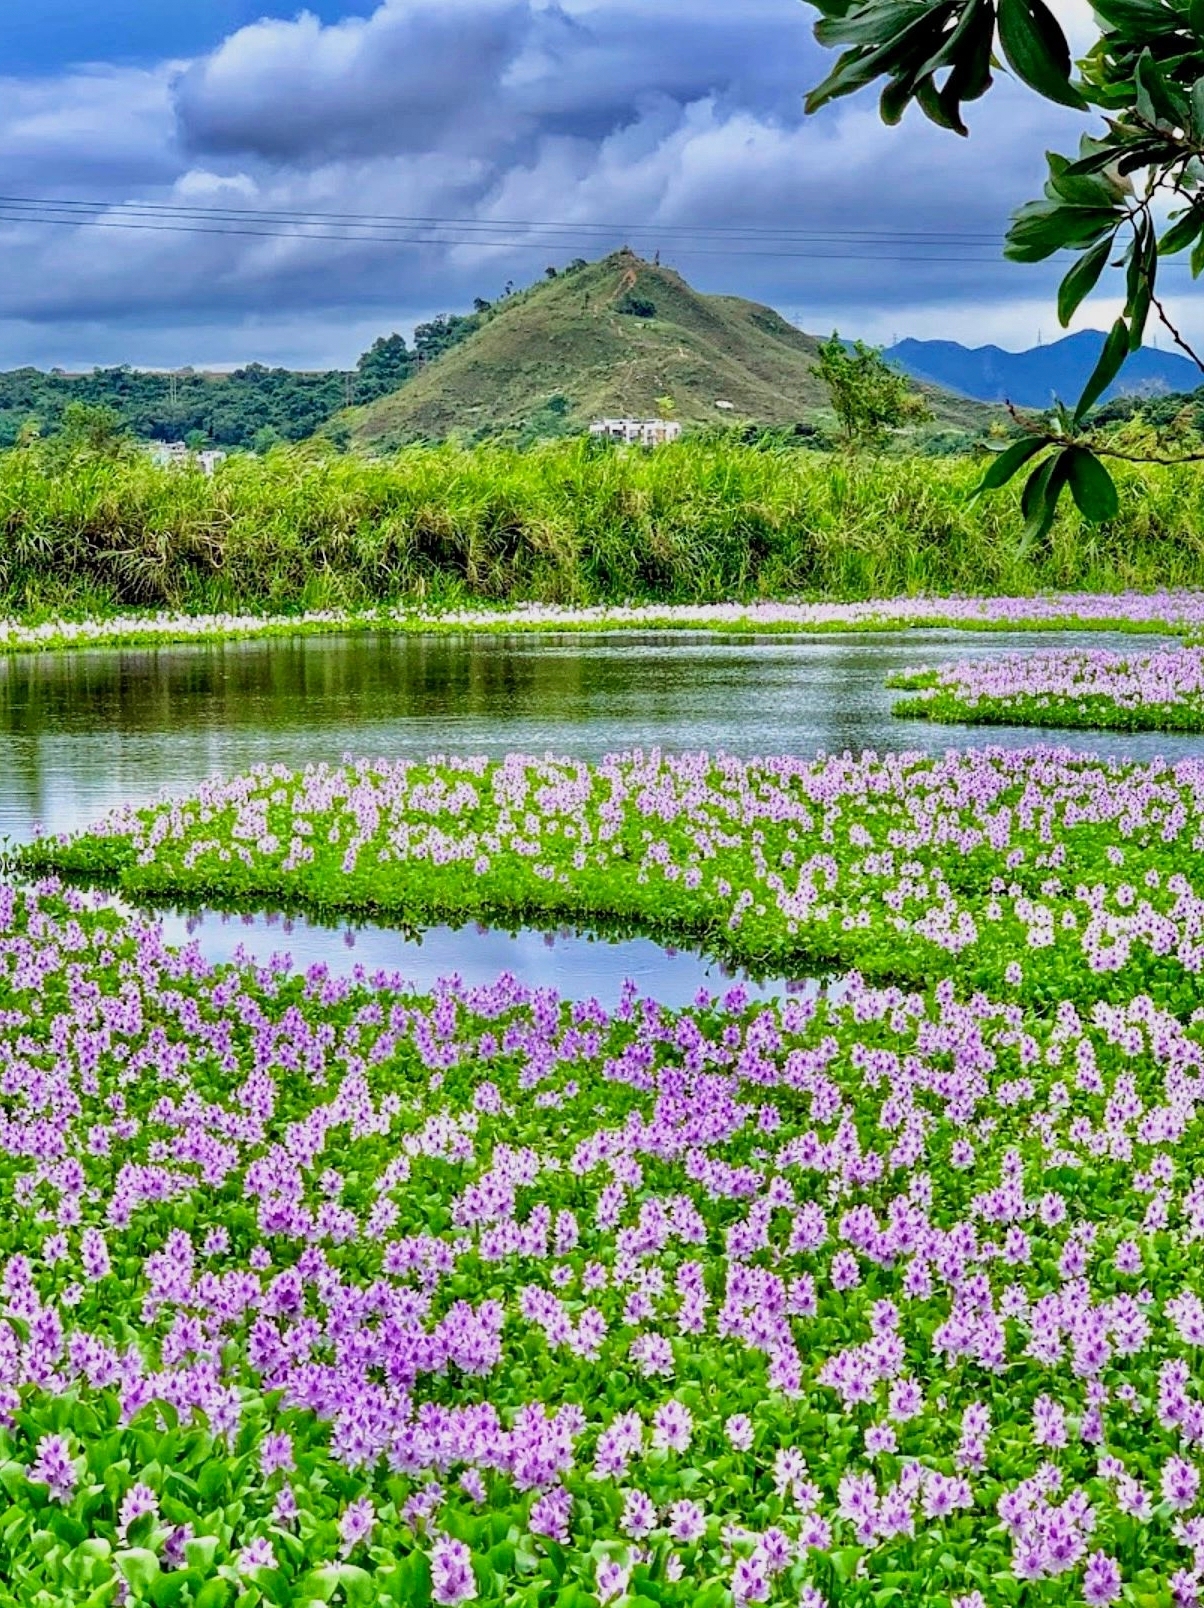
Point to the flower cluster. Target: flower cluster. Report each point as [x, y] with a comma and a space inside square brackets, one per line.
[1092, 688]
[312, 1290]
[1168, 610]
[1038, 874]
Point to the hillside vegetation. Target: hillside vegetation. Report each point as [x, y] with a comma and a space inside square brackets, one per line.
[613, 338]
[570, 522]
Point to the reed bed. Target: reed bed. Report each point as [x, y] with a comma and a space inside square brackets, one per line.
[562, 523]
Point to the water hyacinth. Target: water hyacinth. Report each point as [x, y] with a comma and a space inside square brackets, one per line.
[1036, 874]
[1171, 610]
[1094, 688]
[316, 1290]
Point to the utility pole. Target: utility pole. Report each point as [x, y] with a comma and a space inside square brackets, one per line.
[348, 388]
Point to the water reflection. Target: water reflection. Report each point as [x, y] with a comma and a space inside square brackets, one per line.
[83, 731]
[576, 965]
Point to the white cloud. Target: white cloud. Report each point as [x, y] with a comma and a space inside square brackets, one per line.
[600, 114]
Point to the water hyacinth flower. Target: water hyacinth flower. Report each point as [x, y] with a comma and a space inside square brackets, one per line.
[1068, 687]
[357, 1523]
[55, 1468]
[715, 1164]
[611, 1580]
[452, 1578]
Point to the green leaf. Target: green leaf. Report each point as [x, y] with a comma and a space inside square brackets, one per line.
[213, 1594]
[1182, 232]
[1091, 486]
[1082, 279]
[1006, 463]
[1111, 360]
[1157, 99]
[1036, 49]
[139, 1566]
[1043, 227]
[1039, 501]
[200, 1552]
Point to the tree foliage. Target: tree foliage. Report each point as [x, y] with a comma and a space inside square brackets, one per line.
[1106, 206]
[869, 398]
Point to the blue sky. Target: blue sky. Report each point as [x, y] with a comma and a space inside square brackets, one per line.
[49, 35]
[670, 125]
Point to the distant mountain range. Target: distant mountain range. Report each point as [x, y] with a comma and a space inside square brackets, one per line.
[1034, 378]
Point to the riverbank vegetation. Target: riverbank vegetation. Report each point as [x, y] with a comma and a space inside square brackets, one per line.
[567, 523]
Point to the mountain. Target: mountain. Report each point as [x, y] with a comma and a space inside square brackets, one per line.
[1034, 378]
[608, 339]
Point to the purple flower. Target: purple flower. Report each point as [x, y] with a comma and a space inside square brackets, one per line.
[356, 1523]
[611, 1579]
[452, 1578]
[1180, 1482]
[54, 1468]
[136, 1502]
[257, 1554]
[1101, 1580]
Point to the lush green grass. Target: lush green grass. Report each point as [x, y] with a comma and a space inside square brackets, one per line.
[562, 523]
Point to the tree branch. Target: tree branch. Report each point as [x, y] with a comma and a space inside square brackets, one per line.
[1057, 439]
[1175, 335]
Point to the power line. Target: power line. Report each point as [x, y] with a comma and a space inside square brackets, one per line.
[854, 245]
[337, 237]
[372, 220]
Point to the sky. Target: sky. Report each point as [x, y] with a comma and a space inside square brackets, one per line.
[529, 131]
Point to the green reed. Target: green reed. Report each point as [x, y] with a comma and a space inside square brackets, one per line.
[563, 522]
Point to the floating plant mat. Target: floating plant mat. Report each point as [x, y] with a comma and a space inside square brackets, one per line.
[312, 1292]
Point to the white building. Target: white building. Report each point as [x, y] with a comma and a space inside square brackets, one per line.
[172, 454]
[164, 453]
[637, 432]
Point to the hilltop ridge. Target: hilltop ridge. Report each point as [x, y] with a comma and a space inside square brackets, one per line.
[612, 338]
[1036, 377]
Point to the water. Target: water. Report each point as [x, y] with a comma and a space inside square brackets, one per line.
[575, 964]
[83, 731]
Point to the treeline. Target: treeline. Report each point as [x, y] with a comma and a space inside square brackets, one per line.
[569, 522]
[252, 407]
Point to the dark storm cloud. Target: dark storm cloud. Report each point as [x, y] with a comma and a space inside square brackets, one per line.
[480, 75]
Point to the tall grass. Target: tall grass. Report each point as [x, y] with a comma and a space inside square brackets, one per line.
[562, 523]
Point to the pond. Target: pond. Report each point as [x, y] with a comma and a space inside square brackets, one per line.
[84, 731]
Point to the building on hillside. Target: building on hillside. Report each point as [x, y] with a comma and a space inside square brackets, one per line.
[165, 453]
[172, 454]
[637, 432]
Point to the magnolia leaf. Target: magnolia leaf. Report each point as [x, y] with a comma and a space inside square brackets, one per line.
[1091, 486]
[1036, 49]
[1182, 232]
[1082, 279]
[1006, 464]
[1111, 360]
[1039, 501]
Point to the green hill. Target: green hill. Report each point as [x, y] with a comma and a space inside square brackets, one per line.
[610, 338]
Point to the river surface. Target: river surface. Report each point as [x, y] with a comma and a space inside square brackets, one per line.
[83, 731]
